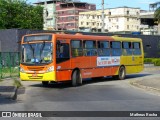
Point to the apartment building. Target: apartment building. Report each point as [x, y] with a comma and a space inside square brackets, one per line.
[121, 19]
[68, 14]
[63, 14]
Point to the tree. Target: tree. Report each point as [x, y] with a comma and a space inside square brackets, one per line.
[157, 17]
[19, 14]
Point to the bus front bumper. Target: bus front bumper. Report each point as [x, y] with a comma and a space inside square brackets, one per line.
[50, 76]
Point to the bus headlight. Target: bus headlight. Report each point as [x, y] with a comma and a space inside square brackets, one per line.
[22, 70]
[50, 69]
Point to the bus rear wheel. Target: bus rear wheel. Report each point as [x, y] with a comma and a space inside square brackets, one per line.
[122, 73]
[76, 78]
[45, 83]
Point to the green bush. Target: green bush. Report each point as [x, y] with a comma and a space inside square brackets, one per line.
[155, 61]
[147, 60]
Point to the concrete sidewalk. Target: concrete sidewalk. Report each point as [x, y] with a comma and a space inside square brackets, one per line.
[151, 83]
[7, 89]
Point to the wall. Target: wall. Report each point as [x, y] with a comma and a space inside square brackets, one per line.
[10, 38]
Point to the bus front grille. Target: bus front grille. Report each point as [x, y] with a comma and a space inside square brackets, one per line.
[35, 68]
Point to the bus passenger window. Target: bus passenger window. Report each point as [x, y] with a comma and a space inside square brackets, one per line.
[103, 48]
[127, 48]
[76, 48]
[89, 48]
[136, 48]
[62, 50]
[116, 48]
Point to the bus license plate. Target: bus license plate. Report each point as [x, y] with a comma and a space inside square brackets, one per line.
[34, 75]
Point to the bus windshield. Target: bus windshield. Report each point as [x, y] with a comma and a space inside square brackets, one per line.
[37, 53]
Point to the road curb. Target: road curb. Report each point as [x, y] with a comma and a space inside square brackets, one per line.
[144, 87]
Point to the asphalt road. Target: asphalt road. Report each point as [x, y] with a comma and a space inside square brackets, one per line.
[98, 95]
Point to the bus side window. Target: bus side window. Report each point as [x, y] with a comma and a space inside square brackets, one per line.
[127, 48]
[62, 50]
[116, 49]
[89, 48]
[76, 48]
[103, 48]
[136, 48]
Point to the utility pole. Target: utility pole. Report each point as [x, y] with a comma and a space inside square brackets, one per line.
[102, 30]
[45, 14]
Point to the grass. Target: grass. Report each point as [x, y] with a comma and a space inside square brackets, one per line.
[9, 71]
[17, 83]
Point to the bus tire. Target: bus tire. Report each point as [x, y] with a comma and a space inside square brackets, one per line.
[122, 73]
[45, 83]
[76, 78]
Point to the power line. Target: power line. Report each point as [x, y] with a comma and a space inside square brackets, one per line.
[102, 16]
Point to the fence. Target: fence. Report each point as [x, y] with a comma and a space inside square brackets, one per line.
[9, 64]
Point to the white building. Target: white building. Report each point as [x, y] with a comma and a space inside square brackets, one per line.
[121, 19]
[49, 14]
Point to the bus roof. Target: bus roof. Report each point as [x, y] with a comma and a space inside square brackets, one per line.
[87, 37]
[126, 39]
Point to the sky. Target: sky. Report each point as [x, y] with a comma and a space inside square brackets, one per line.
[142, 4]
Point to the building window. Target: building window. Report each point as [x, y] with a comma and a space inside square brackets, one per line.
[81, 23]
[71, 12]
[137, 13]
[117, 27]
[93, 16]
[127, 12]
[109, 13]
[87, 23]
[117, 19]
[59, 13]
[127, 19]
[109, 20]
[76, 18]
[127, 26]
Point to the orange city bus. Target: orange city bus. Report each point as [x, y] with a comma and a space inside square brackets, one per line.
[51, 57]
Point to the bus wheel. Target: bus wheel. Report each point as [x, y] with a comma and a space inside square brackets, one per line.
[45, 83]
[122, 73]
[76, 78]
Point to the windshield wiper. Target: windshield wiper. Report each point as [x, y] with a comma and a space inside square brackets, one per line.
[30, 45]
[32, 50]
[41, 50]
